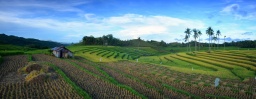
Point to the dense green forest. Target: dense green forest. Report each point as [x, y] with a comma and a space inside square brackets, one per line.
[27, 42]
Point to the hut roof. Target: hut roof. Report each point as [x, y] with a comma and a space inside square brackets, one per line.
[61, 48]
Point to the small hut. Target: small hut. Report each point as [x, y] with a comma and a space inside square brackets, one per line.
[62, 52]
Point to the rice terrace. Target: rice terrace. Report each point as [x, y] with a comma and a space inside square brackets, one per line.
[143, 49]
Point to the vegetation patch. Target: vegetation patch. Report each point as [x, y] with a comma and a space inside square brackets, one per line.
[7, 53]
[117, 54]
[111, 54]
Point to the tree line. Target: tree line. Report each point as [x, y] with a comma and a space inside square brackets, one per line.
[195, 33]
[106, 40]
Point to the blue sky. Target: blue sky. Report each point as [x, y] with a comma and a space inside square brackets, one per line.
[70, 20]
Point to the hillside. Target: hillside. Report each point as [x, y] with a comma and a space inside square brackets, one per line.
[28, 42]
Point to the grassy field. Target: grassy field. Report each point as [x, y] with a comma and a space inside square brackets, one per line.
[6, 50]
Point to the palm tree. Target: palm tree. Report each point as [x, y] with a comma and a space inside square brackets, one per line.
[209, 32]
[215, 39]
[212, 35]
[195, 36]
[188, 33]
[199, 34]
[218, 34]
[186, 39]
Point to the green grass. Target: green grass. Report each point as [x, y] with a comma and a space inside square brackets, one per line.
[11, 52]
[6, 50]
[110, 54]
[107, 54]
[30, 58]
[5, 47]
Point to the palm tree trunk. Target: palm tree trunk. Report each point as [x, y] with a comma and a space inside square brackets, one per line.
[209, 42]
[213, 44]
[199, 44]
[195, 44]
[218, 42]
[189, 47]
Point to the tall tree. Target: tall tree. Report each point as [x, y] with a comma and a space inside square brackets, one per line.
[186, 39]
[195, 36]
[199, 34]
[215, 38]
[188, 33]
[209, 32]
[218, 35]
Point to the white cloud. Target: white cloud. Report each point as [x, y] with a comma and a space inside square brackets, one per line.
[135, 25]
[239, 13]
[89, 16]
[128, 26]
[231, 8]
[65, 6]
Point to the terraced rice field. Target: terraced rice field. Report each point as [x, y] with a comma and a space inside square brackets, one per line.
[108, 54]
[113, 72]
[225, 64]
[82, 78]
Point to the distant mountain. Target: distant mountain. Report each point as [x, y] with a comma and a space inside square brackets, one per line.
[28, 42]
